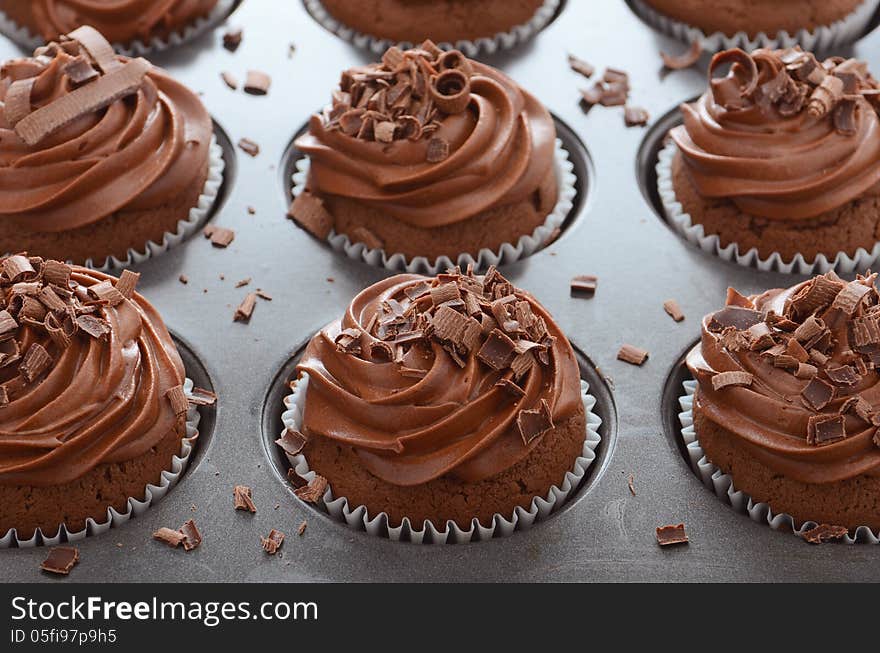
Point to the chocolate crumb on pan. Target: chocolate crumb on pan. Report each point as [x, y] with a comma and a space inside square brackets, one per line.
[169, 536]
[671, 535]
[61, 560]
[292, 442]
[635, 116]
[272, 542]
[584, 286]
[308, 211]
[302, 528]
[257, 83]
[219, 236]
[183, 279]
[248, 146]
[246, 309]
[230, 80]
[673, 310]
[824, 533]
[684, 60]
[192, 538]
[243, 283]
[242, 499]
[632, 355]
[232, 39]
[580, 66]
[632, 484]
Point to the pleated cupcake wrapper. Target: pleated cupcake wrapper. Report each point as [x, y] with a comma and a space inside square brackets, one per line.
[722, 484]
[695, 234]
[486, 46]
[185, 228]
[844, 31]
[137, 48]
[506, 254]
[135, 507]
[359, 519]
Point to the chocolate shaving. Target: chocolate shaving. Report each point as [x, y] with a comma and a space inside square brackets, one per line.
[850, 297]
[815, 295]
[79, 71]
[734, 316]
[201, 397]
[61, 560]
[534, 423]
[632, 355]
[308, 211]
[232, 39]
[59, 113]
[497, 351]
[127, 283]
[272, 542]
[230, 80]
[246, 309]
[635, 116]
[242, 499]
[844, 375]
[731, 379]
[18, 268]
[684, 60]
[93, 326]
[248, 146]
[825, 429]
[584, 286]
[105, 294]
[36, 361]
[671, 535]
[219, 236]
[192, 538]
[673, 310]
[169, 536]
[314, 491]
[580, 66]
[257, 82]
[177, 398]
[824, 533]
[292, 441]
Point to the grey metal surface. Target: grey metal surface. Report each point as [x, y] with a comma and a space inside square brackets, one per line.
[606, 533]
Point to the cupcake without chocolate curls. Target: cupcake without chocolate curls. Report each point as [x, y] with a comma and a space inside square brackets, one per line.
[99, 154]
[122, 22]
[411, 21]
[92, 405]
[755, 16]
[788, 401]
[780, 156]
[447, 398]
[429, 154]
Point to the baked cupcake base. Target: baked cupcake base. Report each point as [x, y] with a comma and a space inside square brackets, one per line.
[498, 524]
[854, 225]
[741, 499]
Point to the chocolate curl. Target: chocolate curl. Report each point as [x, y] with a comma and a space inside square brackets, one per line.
[97, 46]
[101, 93]
[18, 100]
[729, 92]
[825, 97]
[455, 60]
[451, 91]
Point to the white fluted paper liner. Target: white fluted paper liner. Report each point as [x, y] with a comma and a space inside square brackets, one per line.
[134, 506]
[186, 227]
[358, 517]
[23, 37]
[722, 484]
[506, 254]
[487, 45]
[695, 234]
[844, 31]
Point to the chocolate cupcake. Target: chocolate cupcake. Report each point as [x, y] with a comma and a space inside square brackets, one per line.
[788, 402]
[121, 23]
[100, 155]
[92, 401]
[815, 24]
[429, 154]
[779, 160]
[462, 23]
[440, 400]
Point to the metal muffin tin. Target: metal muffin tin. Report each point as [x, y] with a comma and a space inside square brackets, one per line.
[604, 533]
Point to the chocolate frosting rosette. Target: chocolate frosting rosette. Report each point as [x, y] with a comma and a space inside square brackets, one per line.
[439, 409]
[95, 414]
[133, 26]
[716, 25]
[777, 164]
[103, 159]
[428, 159]
[786, 404]
[487, 26]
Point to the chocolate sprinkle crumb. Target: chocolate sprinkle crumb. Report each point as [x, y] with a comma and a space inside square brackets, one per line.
[670, 535]
[242, 499]
[272, 542]
[632, 355]
[824, 533]
[61, 560]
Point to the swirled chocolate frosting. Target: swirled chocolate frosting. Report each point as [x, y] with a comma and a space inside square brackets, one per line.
[459, 375]
[429, 138]
[783, 135]
[792, 375]
[88, 372]
[121, 21]
[84, 133]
